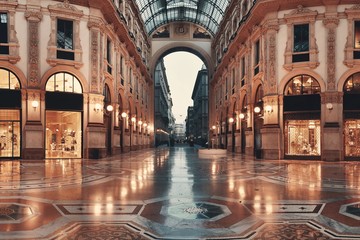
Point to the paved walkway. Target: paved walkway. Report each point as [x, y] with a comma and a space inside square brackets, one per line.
[172, 194]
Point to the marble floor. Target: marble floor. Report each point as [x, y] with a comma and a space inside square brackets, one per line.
[173, 194]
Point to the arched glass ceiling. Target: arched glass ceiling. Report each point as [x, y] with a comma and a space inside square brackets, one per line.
[206, 13]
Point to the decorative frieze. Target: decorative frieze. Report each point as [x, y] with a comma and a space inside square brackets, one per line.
[331, 24]
[33, 17]
[332, 97]
[94, 60]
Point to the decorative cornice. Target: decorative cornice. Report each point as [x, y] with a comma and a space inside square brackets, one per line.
[35, 16]
[65, 9]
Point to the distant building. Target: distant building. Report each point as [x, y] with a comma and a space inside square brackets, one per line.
[164, 118]
[189, 122]
[200, 110]
[179, 132]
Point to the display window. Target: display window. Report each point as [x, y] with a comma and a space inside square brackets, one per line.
[302, 137]
[10, 133]
[63, 134]
[352, 138]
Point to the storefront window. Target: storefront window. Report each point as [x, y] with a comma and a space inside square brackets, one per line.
[303, 137]
[8, 80]
[63, 134]
[63, 82]
[301, 85]
[352, 84]
[9, 133]
[352, 138]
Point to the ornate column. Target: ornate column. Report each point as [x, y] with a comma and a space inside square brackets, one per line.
[33, 18]
[33, 97]
[271, 132]
[331, 100]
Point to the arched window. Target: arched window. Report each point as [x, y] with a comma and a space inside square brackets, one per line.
[8, 80]
[352, 84]
[302, 85]
[63, 82]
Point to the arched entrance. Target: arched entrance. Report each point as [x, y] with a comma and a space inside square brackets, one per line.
[108, 119]
[351, 108]
[63, 116]
[302, 114]
[10, 112]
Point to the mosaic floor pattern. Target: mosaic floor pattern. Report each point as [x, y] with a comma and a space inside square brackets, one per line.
[170, 193]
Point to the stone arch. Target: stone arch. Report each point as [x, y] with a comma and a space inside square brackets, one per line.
[295, 73]
[256, 85]
[242, 97]
[66, 69]
[19, 74]
[121, 98]
[345, 76]
[110, 85]
[182, 46]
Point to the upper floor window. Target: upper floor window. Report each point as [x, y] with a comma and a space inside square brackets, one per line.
[131, 82]
[122, 69]
[357, 40]
[4, 47]
[243, 73]
[301, 49]
[301, 85]
[256, 57]
[108, 55]
[8, 80]
[233, 82]
[301, 43]
[65, 42]
[352, 84]
[63, 82]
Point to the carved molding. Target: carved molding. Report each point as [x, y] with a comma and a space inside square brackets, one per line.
[301, 15]
[13, 57]
[352, 14]
[94, 60]
[331, 97]
[331, 24]
[66, 11]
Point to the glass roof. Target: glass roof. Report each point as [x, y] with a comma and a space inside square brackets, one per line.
[206, 13]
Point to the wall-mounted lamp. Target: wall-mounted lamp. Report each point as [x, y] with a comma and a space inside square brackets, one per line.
[231, 120]
[109, 108]
[257, 109]
[145, 124]
[35, 104]
[329, 106]
[242, 115]
[140, 122]
[124, 115]
[97, 107]
[213, 127]
[133, 119]
[268, 109]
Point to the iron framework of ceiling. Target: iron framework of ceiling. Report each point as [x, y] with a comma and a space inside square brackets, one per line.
[206, 13]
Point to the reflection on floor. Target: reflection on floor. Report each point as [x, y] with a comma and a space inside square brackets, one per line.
[172, 194]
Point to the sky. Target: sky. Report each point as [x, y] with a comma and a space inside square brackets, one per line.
[181, 72]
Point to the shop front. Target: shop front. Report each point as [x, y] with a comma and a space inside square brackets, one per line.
[302, 128]
[63, 117]
[10, 115]
[351, 106]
